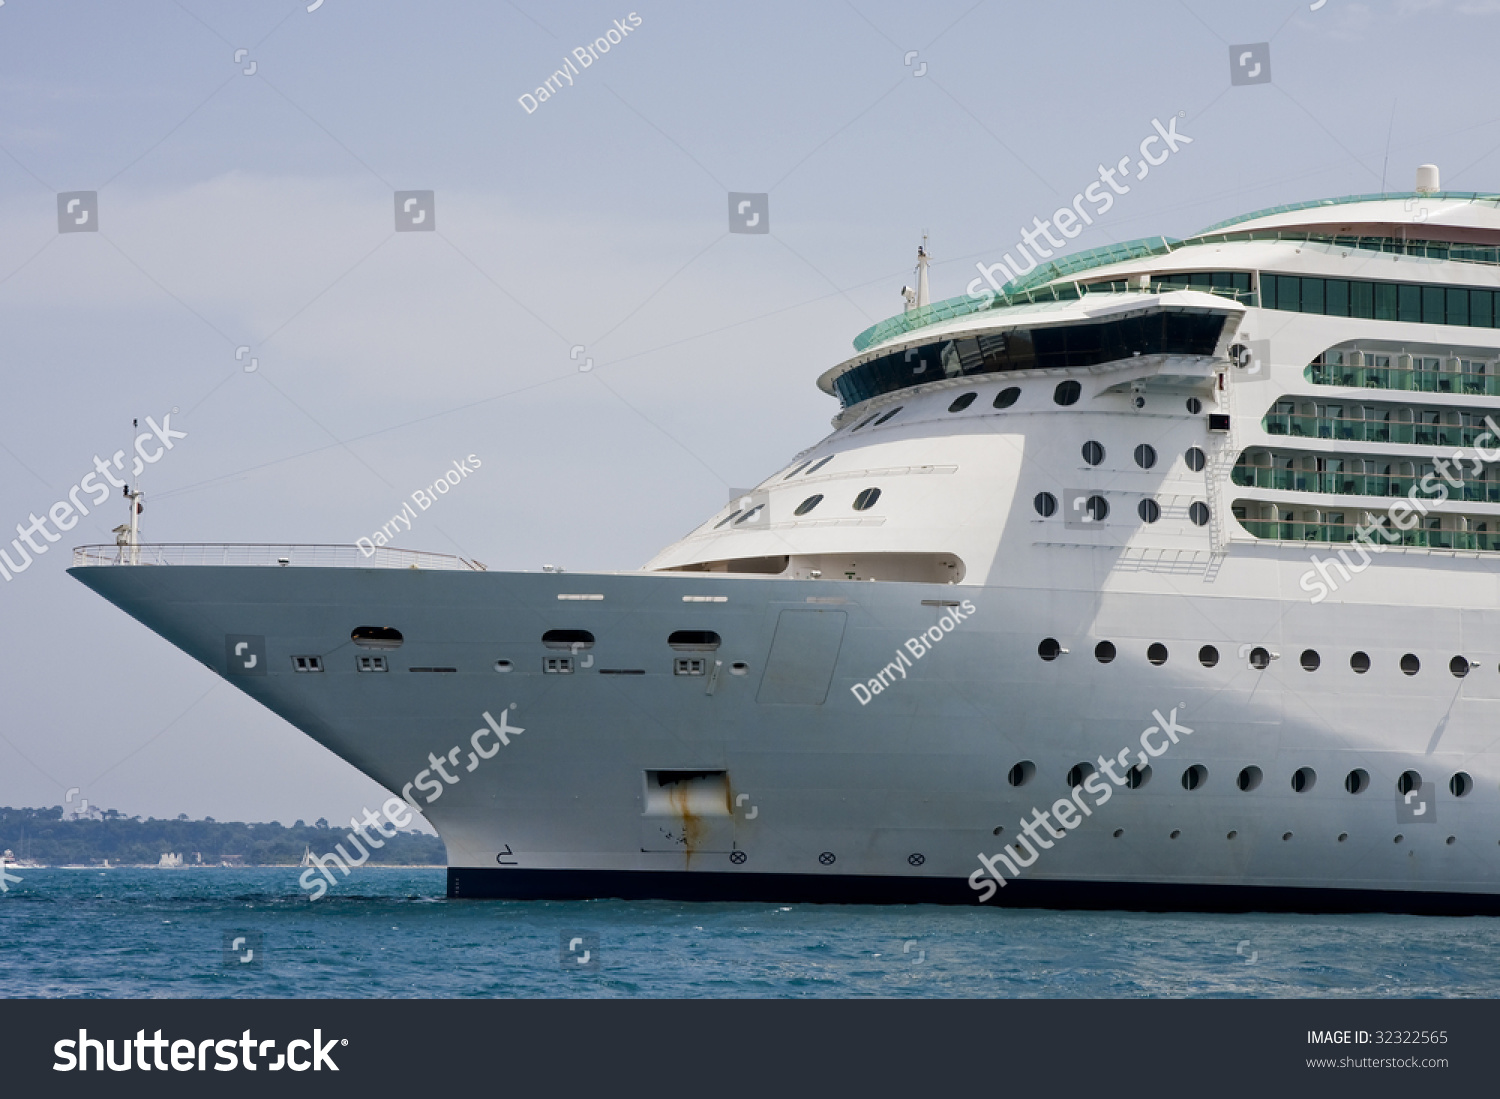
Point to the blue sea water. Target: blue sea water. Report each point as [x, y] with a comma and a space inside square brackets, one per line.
[392, 933]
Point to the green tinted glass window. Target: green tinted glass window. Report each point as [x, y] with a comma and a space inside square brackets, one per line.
[1481, 314]
[1434, 311]
[1336, 297]
[1362, 300]
[1288, 292]
[1312, 295]
[1458, 305]
[1385, 301]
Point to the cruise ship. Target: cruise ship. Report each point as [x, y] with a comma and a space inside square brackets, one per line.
[1161, 577]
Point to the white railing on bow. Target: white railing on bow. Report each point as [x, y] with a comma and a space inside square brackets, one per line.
[239, 555]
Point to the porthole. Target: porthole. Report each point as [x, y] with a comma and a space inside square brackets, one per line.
[1343, 836]
[1104, 652]
[1096, 508]
[1304, 779]
[1045, 504]
[1357, 781]
[1260, 659]
[889, 415]
[1194, 405]
[1451, 840]
[1145, 456]
[1049, 649]
[1460, 784]
[1248, 779]
[739, 667]
[753, 513]
[1310, 660]
[1138, 776]
[1231, 834]
[866, 499]
[1409, 781]
[807, 505]
[1172, 835]
[1208, 656]
[1093, 453]
[1198, 513]
[1021, 773]
[1410, 665]
[1285, 836]
[798, 470]
[1157, 653]
[1008, 396]
[962, 402]
[1194, 777]
[1399, 838]
[1459, 666]
[819, 464]
[569, 640]
[863, 423]
[1067, 393]
[1194, 459]
[376, 637]
[1078, 774]
[1360, 662]
[503, 666]
[1118, 832]
[726, 520]
[1149, 510]
[999, 830]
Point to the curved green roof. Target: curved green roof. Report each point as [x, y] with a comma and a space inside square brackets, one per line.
[1027, 289]
[1312, 204]
[1015, 292]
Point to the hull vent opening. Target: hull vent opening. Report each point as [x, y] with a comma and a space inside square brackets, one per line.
[569, 640]
[376, 637]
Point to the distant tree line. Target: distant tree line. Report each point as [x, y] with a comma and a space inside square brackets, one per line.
[47, 836]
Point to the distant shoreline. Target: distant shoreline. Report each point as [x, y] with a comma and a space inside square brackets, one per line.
[220, 866]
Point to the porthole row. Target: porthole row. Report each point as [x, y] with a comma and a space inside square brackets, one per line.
[1259, 657]
[1248, 779]
[1095, 508]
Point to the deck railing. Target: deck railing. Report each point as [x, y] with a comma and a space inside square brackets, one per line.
[273, 556]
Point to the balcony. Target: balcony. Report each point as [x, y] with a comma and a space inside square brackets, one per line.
[1334, 533]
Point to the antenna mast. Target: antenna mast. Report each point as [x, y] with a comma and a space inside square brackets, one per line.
[919, 297]
[130, 534]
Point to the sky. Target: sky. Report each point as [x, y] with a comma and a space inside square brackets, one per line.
[575, 311]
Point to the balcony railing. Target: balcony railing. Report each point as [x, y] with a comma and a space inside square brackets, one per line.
[1358, 484]
[1412, 381]
[1344, 532]
[272, 556]
[1373, 431]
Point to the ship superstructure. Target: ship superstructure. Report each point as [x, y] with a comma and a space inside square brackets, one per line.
[1237, 483]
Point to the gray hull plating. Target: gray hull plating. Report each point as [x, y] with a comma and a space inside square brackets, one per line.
[905, 790]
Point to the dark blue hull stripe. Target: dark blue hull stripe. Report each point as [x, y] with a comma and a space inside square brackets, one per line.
[484, 883]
